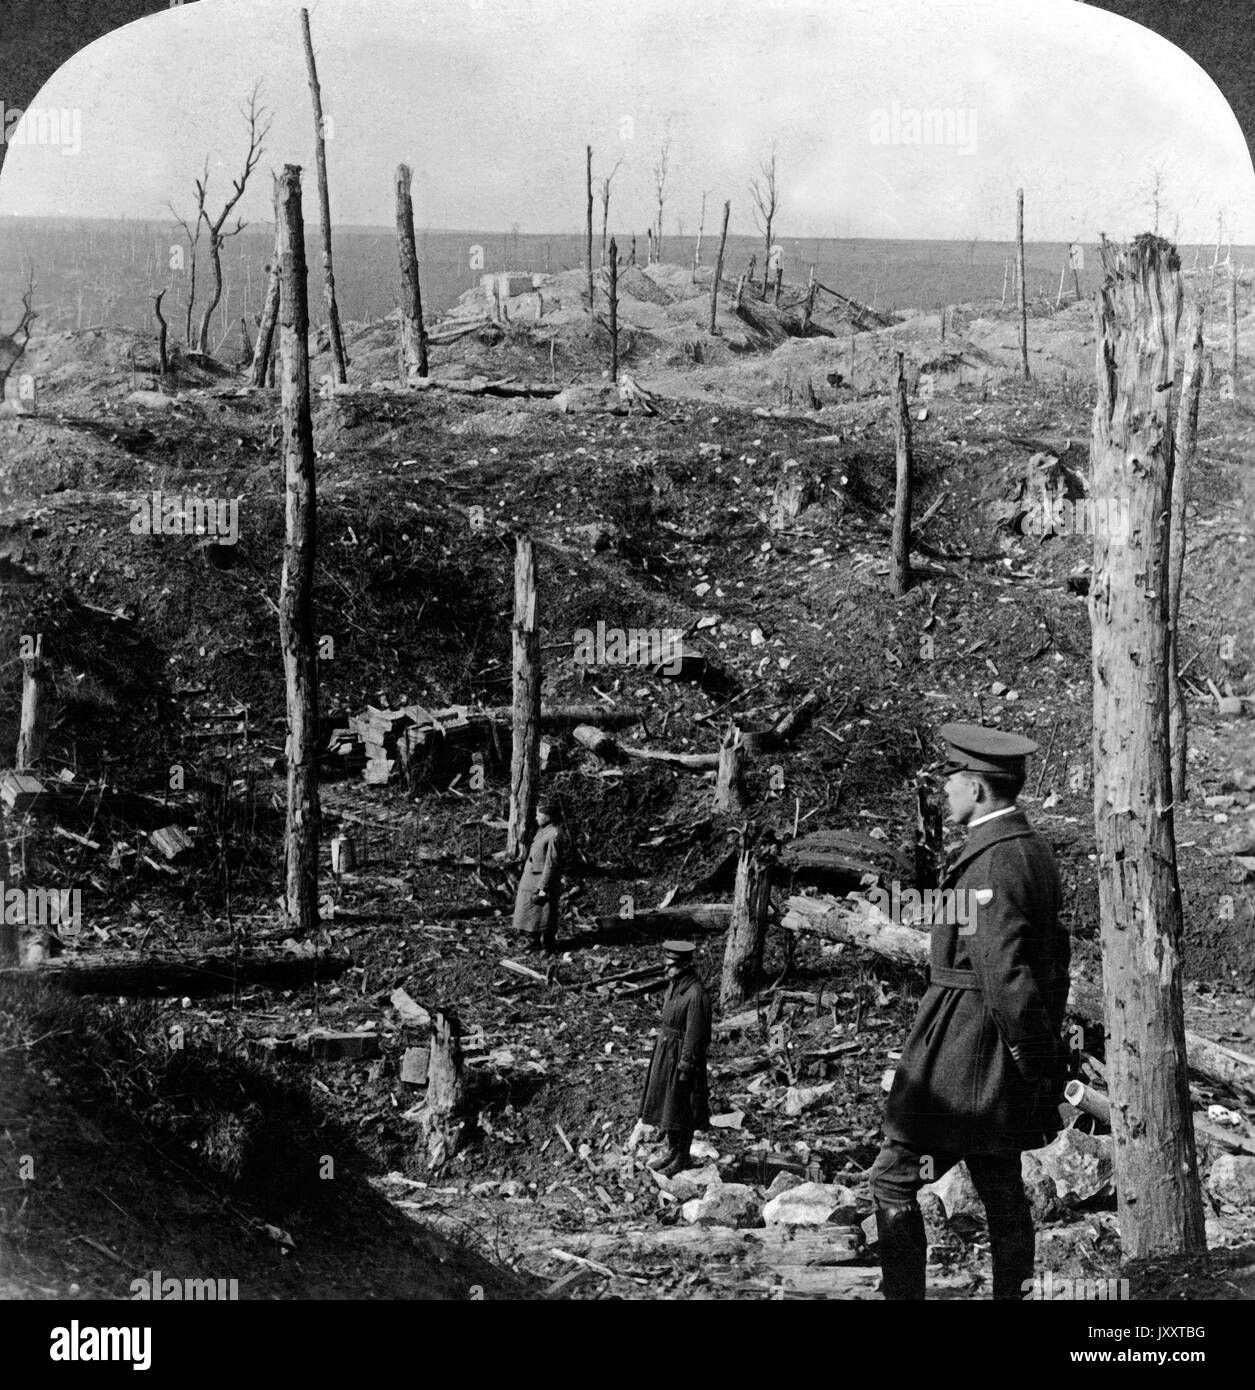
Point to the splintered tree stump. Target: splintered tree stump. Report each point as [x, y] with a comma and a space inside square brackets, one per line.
[334, 333]
[794, 492]
[413, 335]
[443, 1118]
[747, 929]
[730, 794]
[525, 757]
[718, 275]
[36, 697]
[1137, 312]
[263, 353]
[900, 562]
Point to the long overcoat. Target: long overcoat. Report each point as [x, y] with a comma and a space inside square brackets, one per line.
[682, 1041]
[542, 873]
[996, 982]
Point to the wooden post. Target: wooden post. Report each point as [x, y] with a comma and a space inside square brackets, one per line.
[1006, 276]
[1019, 279]
[1185, 436]
[32, 735]
[1136, 312]
[413, 332]
[525, 757]
[588, 150]
[900, 561]
[714, 284]
[730, 778]
[811, 288]
[1063, 271]
[779, 284]
[324, 207]
[740, 290]
[442, 1119]
[296, 625]
[747, 929]
[269, 318]
[649, 246]
[614, 310]
[701, 227]
[1233, 330]
[246, 357]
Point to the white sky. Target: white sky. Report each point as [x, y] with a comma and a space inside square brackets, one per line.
[493, 101]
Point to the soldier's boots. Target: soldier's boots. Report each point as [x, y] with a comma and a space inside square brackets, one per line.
[677, 1163]
[660, 1160]
[903, 1251]
[1011, 1247]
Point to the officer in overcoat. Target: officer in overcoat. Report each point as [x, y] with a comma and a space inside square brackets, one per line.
[676, 1098]
[983, 1069]
[540, 884]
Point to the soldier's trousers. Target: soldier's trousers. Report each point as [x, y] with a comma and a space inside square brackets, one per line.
[896, 1178]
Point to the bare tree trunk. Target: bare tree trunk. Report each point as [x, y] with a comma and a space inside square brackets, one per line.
[1184, 438]
[1137, 312]
[701, 227]
[269, 318]
[900, 562]
[1233, 329]
[730, 778]
[215, 262]
[1020, 278]
[779, 284]
[163, 335]
[714, 284]
[442, 1120]
[413, 333]
[324, 208]
[525, 757]
[614, 311]
[296, 625]
[747, 930]
[928, 839]
[32, 735]
[811, 290]
[248, 341]
[589, 243]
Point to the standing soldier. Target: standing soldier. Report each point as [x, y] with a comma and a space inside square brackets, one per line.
[540, 885]
[676, 1097]
[982, 1070]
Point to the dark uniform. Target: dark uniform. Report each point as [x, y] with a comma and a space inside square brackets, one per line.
[983, 1069]
[676, 1097]
[540, 886]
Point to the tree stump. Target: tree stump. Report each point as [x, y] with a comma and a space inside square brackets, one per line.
[263, 353]
[443, 1116]
[747, 930]
[718, 275]
[730, 794]
[525, 755]
[33, 731]
[413, 334]
[900, 562]
[1160, 1200]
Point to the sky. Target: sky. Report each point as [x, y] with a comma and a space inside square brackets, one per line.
[889, 118]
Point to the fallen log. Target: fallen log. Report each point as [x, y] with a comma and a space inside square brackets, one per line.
[689, 916]
[1096, 1103]
[486, 388]
[769, 1246]
[149, 972]
[858, 923]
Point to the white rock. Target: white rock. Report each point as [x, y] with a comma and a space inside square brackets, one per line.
[800, 1098]
[1232, 1179]
[725, 1204]
[809, 1204]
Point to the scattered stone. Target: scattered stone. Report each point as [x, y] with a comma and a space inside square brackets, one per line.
[812, 1204]
[1232, 1179]
[1080, 1165]
[704, 1149]
[1230, 707]
[957, 1193]
[151, 400]
[410, 1011]
[512, 1187]
[732, 1120]
[725, 1204]
[800, 1098]
[691, 1183]
[782, 1182]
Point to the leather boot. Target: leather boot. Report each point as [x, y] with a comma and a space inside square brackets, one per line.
[903, 1251]
[1012, 1248]
[660, 1160]
[679, 1160]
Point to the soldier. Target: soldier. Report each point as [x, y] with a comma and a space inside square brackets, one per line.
[982, 1070]
[540, 885]
[676, 1097]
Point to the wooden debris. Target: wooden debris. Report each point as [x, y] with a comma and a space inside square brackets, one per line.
[859, 923]
[172, 841]
[322, 1045]
[148, 972]
[415, 1062]
[527, 970]
[22, 793]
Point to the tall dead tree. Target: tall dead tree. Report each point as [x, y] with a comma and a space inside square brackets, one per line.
[296, 622]
[1185, 437]
[900, 560]
[163, 338]
[765, 191]
[258, 128]
[1233, 329]
[525, 754]
[701, 227]
[32, 737]
[718, 275]
[413, 332]
[262, 353]
[661, 169]
[605, 206]
[13, 345]
[324, 209]
[588, 245]
[614, 310]
[1137, 312]
[1020, 276]
[747, 929]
